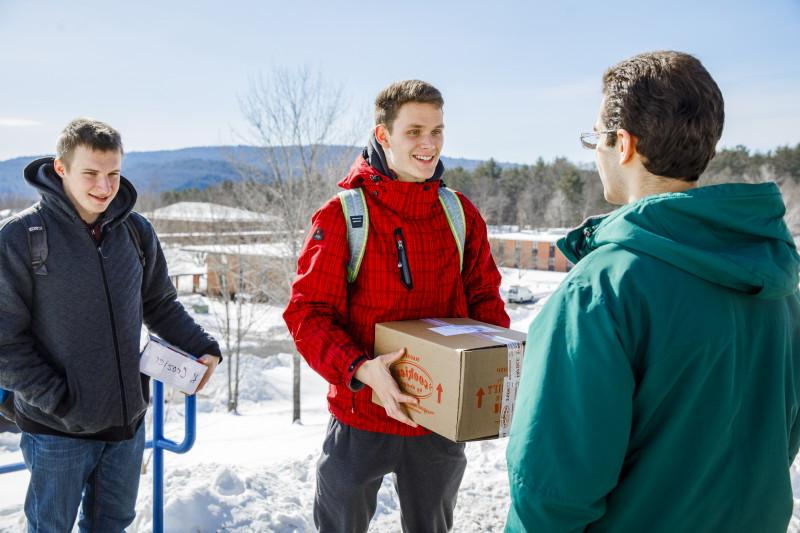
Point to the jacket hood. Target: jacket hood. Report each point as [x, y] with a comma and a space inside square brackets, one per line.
[732, 235]
[374, 155]
[375, 158]
[362, 173]
[407, 199]
[41, 175]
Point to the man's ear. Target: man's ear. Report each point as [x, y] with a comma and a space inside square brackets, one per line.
[382, 135]
[626, 146]
[61, 168]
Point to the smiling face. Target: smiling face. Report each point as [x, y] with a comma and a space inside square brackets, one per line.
[91, 180]
[414, 144]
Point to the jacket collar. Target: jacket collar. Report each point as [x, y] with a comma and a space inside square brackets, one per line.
[580, 241]
[406, 200]
[733, 235]
[41, 175]
[374, 155]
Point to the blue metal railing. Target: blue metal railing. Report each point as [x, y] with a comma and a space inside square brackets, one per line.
[13, 467]
[159, 444]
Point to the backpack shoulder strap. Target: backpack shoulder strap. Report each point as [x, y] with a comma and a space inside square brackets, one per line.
[37, 247]
[356, 218]
[37, 238]
[136, 237]
[454, 212]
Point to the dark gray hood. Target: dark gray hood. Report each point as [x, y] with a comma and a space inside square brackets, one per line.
[41, 175]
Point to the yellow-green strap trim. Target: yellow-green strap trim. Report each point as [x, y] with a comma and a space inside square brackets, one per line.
[454, 212]
[356, 218]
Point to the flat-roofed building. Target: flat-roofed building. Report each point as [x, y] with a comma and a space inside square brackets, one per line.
[529, 249]
[209, 223]
[253, 269]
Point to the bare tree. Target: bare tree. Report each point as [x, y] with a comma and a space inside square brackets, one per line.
[218, 237]
[791, 195]
[295, 116]
[790, 189]
[235, 280]
[557, 213]
[532, 203]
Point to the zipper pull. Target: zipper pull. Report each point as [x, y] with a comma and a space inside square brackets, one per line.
[402, 259]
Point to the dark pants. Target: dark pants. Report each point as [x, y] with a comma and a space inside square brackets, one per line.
[427, 473]
[100, 477]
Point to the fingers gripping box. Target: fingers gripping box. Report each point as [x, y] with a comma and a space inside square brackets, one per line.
[170, 365]
[458, 368]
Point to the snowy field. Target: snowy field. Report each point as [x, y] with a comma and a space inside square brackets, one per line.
[254, 472]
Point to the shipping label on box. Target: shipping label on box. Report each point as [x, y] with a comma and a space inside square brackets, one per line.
[170, 365]
[458, 369]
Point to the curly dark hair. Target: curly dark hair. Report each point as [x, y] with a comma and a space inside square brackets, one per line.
[670, 102]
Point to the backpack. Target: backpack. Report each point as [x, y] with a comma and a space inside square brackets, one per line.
[37, 247]
[356, 216]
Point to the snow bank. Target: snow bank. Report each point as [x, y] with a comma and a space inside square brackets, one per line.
[254, 471]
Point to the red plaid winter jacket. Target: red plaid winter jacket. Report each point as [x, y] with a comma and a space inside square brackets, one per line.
[333, 322]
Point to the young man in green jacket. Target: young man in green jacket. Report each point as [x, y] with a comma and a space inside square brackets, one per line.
[661, 384]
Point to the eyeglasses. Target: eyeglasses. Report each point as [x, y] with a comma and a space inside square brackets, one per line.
[589, 139]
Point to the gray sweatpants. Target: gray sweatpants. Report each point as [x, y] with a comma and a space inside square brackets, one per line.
[428, 472]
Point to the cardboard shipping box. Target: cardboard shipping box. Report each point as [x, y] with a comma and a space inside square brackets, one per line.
[458, 369]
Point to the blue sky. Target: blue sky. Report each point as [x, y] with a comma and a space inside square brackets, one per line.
[520, 79]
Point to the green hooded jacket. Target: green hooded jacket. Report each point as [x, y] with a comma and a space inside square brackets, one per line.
[660, 389]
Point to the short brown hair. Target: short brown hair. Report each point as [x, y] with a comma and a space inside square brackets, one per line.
[391, 99]
[670, 102]
[87, 132]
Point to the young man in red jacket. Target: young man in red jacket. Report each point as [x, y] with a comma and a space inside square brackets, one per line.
[411, 268]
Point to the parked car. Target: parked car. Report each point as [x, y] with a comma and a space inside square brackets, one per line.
[519, 294]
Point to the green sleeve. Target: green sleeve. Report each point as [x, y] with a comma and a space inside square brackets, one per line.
[572, 418]
[794, 438]
[794, 431]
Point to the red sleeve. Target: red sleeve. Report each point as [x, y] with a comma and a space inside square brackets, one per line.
[317, 309]
[480, 275]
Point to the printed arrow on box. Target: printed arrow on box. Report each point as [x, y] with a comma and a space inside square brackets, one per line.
[480, 397]
[439, 396]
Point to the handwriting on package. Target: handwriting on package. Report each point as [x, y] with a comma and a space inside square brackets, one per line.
[172, 366]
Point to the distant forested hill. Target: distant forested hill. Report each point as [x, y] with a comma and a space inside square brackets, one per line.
[187, 168]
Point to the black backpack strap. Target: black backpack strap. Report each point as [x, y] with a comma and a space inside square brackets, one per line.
[37, 247]
[136, 237]
[37, 239]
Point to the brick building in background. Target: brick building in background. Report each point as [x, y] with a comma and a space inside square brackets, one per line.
[528, 249]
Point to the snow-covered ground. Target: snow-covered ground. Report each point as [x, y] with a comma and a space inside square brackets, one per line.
[254, 472]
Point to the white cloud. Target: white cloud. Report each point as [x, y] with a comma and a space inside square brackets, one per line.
[6, 122]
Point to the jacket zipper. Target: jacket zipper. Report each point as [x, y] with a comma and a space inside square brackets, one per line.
[114, 335]
[402, 259]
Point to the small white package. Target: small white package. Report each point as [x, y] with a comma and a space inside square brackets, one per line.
[170, 365]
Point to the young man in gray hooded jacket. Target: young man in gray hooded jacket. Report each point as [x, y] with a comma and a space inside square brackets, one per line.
[70, 326]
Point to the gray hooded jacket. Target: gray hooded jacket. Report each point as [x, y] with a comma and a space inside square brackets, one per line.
[69, 340]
